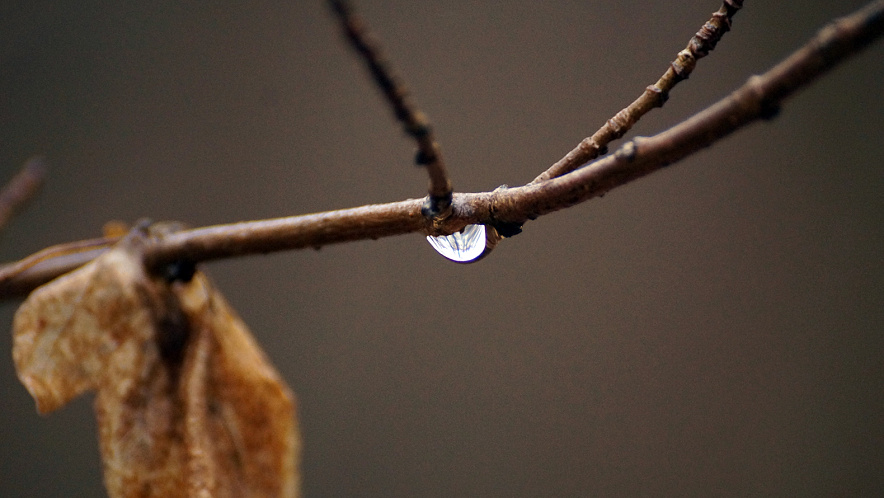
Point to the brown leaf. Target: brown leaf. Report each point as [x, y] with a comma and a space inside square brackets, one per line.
[187, 403]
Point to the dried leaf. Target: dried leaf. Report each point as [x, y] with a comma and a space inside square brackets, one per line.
[187, 403]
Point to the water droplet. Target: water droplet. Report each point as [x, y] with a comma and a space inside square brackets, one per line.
[464, 246]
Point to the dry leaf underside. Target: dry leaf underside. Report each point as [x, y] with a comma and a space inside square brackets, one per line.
[186, 401]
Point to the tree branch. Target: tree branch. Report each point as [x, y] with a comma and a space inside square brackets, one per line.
[21, 188]
[413, 120]
[655, 95]
[759, 98]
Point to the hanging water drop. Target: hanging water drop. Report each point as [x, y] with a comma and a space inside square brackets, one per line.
[464, 246]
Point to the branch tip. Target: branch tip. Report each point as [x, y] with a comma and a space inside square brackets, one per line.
[703, 42]
[21, 188]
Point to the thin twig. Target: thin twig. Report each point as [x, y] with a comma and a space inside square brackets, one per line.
[413, 120]
[21, 188]
[44, 265]
[759, 98]
[654, 96]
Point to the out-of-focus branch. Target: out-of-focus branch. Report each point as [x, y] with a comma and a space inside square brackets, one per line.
[759, 98]
[654, 96]
[21, 188]
[413, 120]
[25, 275]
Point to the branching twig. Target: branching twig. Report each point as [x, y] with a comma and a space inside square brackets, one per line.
[413, 120]
[654, 96]
[21, 188]
[759, 98]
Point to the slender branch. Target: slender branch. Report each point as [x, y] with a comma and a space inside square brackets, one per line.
[759, 98]
[654, 96]
[413, 120]
[21, 188]
[294, 232]
[29, 273]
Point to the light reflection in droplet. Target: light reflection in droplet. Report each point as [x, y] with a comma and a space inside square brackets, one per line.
[464, 246]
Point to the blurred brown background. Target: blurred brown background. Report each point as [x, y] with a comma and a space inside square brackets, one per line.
[714, 329]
